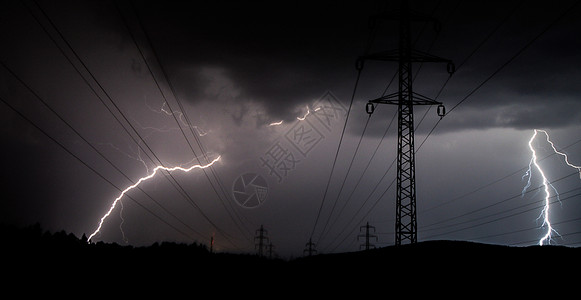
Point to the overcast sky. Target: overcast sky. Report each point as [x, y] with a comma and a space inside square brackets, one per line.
[129, 84]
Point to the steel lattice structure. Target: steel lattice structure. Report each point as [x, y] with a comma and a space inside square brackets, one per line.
[405, 99]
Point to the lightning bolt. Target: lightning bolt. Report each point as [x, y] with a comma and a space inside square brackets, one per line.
[298, 118]
[179, 116]
[275, 123]
[122, 221]
[305, 116]
[169, 169]
[546, 238]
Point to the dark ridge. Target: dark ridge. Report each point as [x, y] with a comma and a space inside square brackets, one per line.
[32, 256]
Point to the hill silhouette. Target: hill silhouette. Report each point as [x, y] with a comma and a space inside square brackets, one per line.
[39, 258]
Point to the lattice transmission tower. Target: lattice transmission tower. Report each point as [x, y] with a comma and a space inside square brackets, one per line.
[405, 99]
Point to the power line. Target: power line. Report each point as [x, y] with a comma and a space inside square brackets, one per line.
[73, 129]
[490, 34]
[494, 181]
[108, 96]
[526, 46]
[172, 89]
[359, 68]
[500, 218]
[173, 181]
[562, 235]
[455, 199]
[361, 178]
[343, 184]
[62, 146]
[558, 197]
[518, 53]
[497, 203]
[361, 207]
[526, 229]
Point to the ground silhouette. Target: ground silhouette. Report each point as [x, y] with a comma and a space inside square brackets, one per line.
[34, 258]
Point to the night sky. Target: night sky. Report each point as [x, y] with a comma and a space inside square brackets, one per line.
[119, 86]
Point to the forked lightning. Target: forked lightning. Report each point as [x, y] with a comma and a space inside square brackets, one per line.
[142, 180]
[546, 239]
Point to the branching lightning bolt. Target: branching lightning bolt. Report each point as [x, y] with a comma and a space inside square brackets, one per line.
[546, 184]
[114, 204]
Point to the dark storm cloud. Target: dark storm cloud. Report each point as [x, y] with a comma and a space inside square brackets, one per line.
[538, 88]
[279, 55]
[284, 56]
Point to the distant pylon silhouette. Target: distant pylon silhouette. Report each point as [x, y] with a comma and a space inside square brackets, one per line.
[262, 240]
[310, 248]
[367, 236]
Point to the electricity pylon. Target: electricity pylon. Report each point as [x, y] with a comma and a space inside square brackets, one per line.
[262, 240]
[367, 236]
[310, 248]
[405, 99]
